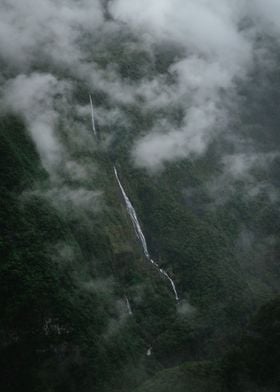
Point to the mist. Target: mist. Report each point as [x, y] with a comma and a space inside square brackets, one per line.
[218, 44]
[180, 100]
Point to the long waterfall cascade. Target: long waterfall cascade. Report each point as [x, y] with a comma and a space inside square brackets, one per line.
[140, 235]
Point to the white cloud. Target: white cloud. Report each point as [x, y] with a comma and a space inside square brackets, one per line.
[68, 198]
[266, 15]
[217, 53]
[46, 26]
[209, 27]
[166, 144]
[33, 98]
[243, 168]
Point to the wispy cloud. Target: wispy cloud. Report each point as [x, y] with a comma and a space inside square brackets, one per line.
[73, 44]
[33, 98]
[219, 44]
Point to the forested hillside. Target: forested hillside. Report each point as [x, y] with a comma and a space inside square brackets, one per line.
[139, 196]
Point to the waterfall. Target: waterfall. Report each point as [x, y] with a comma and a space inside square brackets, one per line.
[139, 233]
[92, 116]
[149, 351]
[128, 306]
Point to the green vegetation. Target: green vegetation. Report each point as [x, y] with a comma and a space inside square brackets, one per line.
[68, 267]
[192, 377]
[252, 365]
[61, 282]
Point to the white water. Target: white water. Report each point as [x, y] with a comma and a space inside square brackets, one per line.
[140, 235]
[128, 306]
[92, 116]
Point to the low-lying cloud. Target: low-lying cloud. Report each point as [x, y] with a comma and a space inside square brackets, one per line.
[217, 43]
[33, 98]
[51, 28]
[219, 40]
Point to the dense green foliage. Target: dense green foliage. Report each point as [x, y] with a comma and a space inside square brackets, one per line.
[58, 306]
[67, 269]
[251, 366]
[192, 377]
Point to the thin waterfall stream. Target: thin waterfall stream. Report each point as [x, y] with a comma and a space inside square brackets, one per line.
[140, 235]
[128, 306]
[134, 219]
[92, 116]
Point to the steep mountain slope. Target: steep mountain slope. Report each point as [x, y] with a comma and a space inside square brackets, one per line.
[105, 99]
[252, 365]
[64, 279]
[192, 377]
